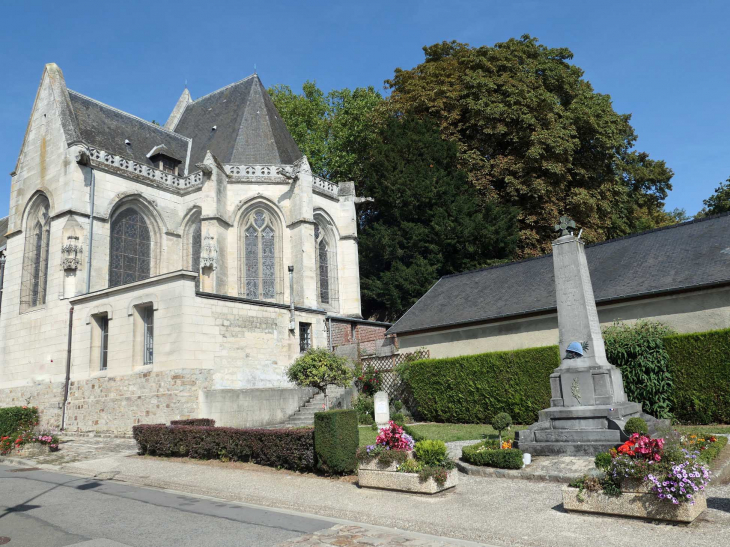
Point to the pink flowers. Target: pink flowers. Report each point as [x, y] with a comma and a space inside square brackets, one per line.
[394, 438]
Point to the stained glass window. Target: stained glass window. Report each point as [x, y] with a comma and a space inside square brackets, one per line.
[131, 249]
[35, 260]
[326, 267]
[259, 256]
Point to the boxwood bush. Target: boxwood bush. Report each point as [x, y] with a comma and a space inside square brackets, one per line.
[17, 419]
[336, 438]
[204, 422]
[287, 448]
[510, 458]
[475, 388]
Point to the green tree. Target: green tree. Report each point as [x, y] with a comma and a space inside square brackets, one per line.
[332, 130]
[320, 368]
[532, 133]
[717, 203]
[424, 220]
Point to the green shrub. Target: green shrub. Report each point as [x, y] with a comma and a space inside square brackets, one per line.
[477, 454]
[638, 350]
[475, 388]
[336, 439]
[700, 368]
[17, 419]
[501, 422]
[364, 404]
[320, 368]
[636, 425]
[365, 419]
[430, 452]
[603, 461]
[398, 418]
[397, 405]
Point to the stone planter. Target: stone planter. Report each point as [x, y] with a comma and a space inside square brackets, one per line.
[371, 475]
[31, 450]
[636, 501]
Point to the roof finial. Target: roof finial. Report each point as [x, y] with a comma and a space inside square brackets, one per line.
[254, 68]
[186, 83]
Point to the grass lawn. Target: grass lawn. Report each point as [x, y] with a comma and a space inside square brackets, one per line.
[702, 429]
[446, 432]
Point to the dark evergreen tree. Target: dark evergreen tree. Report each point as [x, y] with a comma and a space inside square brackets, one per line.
[425, 220]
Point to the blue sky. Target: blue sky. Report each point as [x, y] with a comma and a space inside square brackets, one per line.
[665, 62]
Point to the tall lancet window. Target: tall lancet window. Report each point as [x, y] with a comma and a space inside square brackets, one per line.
[35, 259]
[326, 266]
[131, 248]
[195, 241]
[259, 256]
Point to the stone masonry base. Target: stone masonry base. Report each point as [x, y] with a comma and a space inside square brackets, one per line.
[113, 405]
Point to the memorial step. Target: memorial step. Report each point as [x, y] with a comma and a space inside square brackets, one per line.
[578, 435]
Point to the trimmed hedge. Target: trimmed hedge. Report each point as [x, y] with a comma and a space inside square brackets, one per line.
[510, 458]
[16, 419]
[713, 450]
[475, 388]
[336, 439]
[287, 448]
[700, 367]
[199, 422]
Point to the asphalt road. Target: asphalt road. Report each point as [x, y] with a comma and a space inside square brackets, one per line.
[43, 509]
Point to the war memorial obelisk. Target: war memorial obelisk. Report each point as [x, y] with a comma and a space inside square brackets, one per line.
[588, 408]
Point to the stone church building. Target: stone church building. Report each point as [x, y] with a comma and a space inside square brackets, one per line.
[155, 273]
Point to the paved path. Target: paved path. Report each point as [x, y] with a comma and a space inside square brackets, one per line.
[43, 509]
[488, 510]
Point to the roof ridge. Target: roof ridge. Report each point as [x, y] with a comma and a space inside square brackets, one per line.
[222, 89]
[693, 220]
[590, 245]
[161, 128]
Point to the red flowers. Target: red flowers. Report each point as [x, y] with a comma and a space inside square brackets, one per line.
[643, 446]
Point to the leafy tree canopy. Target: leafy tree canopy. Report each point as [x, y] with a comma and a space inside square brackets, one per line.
[332, 129]
[717, 203]
[319, 368]
[425, 219]
[532, 133]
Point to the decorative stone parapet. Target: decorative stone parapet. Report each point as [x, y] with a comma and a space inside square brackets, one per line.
[255, 172]
[325, 187]
[371, 475]
[635, 501]
[103, 158]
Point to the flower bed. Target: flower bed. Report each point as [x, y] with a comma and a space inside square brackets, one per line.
[19, 435]
[658, 478]
[490, 453]
[396, 462]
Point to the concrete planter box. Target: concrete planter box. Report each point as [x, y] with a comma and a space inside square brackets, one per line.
[371, 475]
[639, 503]
[31, 450]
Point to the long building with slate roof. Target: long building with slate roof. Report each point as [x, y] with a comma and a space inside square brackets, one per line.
[679, 275]
[155, 273]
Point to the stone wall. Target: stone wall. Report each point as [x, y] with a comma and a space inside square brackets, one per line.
[115, 404]
[357, 337]
[252, 407]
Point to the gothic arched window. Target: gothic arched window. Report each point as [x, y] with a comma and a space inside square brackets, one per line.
[35, 259]
[259, 255]
[131, 248]
[326, 266]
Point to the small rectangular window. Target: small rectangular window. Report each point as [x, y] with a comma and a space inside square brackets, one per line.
[305, 336]
[104, 349]
[149, 330]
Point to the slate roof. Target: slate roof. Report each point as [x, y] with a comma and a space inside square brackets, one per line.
[249, 129]
[107, 128]
[693, 254]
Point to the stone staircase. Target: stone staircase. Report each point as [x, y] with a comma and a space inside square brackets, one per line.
[305, 415]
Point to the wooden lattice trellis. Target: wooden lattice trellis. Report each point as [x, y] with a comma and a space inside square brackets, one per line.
[391, 382]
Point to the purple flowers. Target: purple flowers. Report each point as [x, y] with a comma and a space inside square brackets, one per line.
[681, 482]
